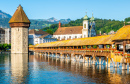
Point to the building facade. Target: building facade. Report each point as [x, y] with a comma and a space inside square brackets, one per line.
[37, 36]
[2, 36]
[87, 30]
[7, 35]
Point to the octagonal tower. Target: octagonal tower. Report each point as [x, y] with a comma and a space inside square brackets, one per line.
[19, 24]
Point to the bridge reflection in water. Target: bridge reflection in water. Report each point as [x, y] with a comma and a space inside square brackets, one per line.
[91, 73]
[44, 69]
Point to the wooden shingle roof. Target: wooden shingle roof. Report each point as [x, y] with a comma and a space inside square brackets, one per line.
[69, 30]
[19, 16]
[98, 40]
[123, 33]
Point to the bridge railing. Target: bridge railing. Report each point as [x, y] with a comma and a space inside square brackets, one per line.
[76, 50]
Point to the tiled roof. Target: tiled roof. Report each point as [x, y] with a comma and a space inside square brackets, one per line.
[98, 40]
[69, 30]
[122, 33]
[19, 16]
[43, 36]
[38, 31]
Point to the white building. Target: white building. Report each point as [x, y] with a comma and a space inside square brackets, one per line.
[7, 35]
[37, 36]
[87, 30]
[111, 32]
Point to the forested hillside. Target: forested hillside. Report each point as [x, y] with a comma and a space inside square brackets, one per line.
[103, 25]
[35, 24]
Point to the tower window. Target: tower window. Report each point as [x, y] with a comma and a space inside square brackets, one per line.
[84, 25]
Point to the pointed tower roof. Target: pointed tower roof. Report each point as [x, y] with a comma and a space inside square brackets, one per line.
[92, 18]
[19, 16]
[85, 17]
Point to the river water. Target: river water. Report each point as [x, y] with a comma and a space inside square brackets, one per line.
[21, 68]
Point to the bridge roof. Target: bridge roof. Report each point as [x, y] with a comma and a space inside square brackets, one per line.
[98, 40]
[122, 33]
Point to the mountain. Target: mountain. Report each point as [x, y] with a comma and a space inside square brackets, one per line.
[65, 21]
[52, 20]
[4, 15]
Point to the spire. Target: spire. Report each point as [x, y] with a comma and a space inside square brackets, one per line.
[85, 17]
[19, 16]
[92, 18]
[59, 24]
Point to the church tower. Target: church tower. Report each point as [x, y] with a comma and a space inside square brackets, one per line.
[85, 27]
[19, 24]
[92, 28]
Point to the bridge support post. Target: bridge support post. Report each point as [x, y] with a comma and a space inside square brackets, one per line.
[115, 65]
[106, 63]
[48, 54]
[72, 56]
[94, 60]
[45, 54]
[89, 60]
[62, 56]
[76, 57]
[109, 62]
[100, 60]
[124, 66]
[56, 55]
[83, 59]
[67, 56]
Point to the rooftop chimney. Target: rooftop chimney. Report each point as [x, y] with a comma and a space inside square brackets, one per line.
[59, 24]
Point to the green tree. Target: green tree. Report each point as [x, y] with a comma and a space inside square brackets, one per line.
[5, 47]
[49, 31]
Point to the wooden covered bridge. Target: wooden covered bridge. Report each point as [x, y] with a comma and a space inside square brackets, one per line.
[113, 48]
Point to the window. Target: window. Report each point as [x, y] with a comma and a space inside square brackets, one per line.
[75, 36]
[69, 36]
[84, 36]
[84, 25]
[58, 37]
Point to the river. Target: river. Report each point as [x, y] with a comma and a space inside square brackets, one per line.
[21, 68]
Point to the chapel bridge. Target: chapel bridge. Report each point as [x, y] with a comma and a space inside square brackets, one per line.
[113, 48]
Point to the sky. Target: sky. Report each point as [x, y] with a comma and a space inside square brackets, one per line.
[73, 9]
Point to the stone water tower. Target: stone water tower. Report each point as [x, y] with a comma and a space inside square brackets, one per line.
[19, 24]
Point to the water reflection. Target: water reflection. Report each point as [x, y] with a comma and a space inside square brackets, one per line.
[40, 69]
[19, 67]
[91, 73]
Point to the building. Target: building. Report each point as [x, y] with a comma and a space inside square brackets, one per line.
[19, 24]
[2, 36]
[87, 30]
[7, 35]
[111, 32]
[37, 36]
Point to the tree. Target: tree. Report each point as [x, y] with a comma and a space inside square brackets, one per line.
[49, 31]
[5, 47]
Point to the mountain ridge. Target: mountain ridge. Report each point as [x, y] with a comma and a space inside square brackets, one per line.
[4, 15]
